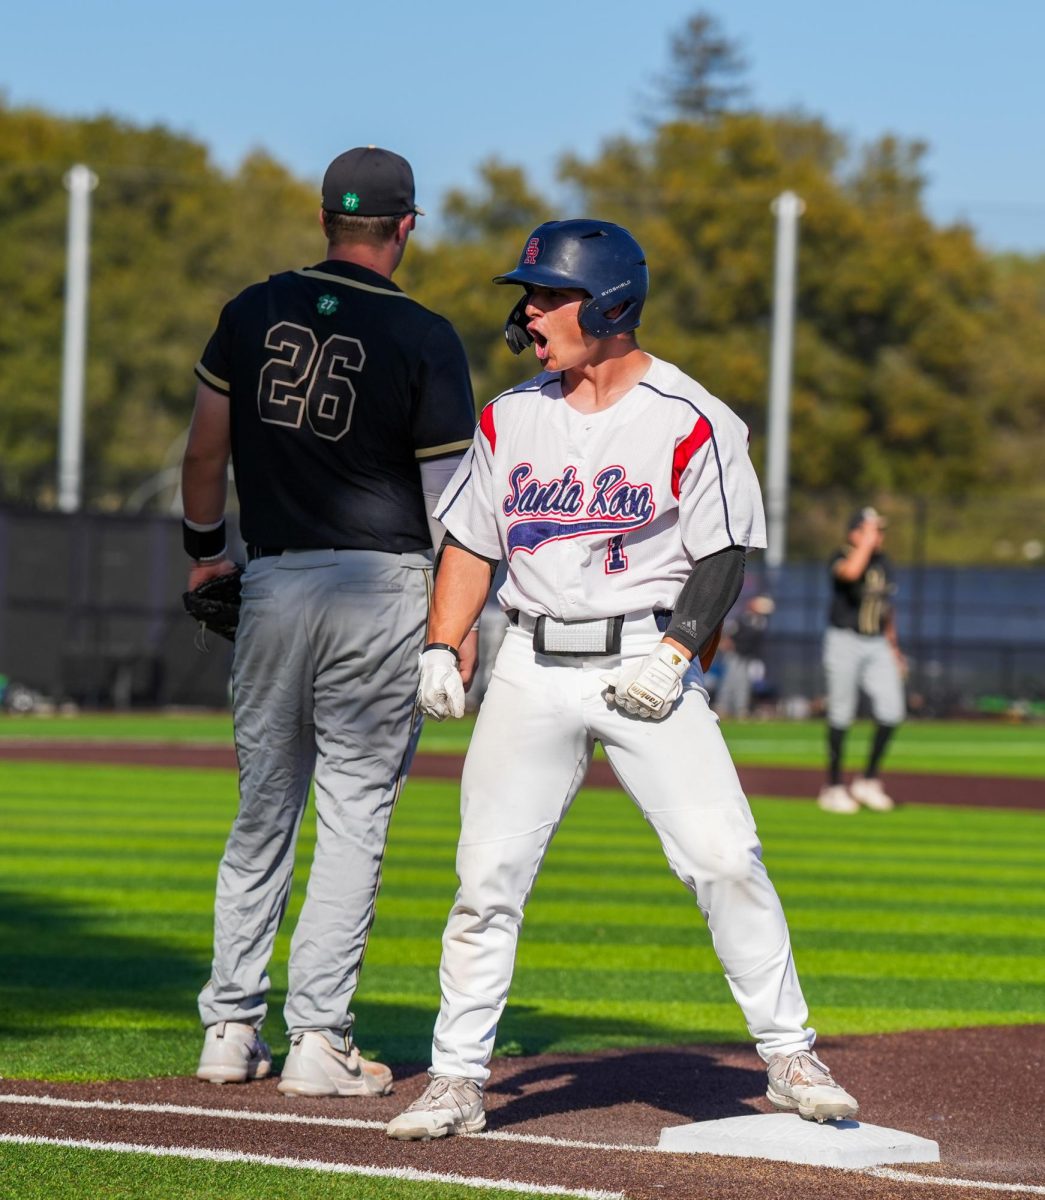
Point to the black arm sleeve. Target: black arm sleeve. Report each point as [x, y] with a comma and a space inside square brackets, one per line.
[707, 595]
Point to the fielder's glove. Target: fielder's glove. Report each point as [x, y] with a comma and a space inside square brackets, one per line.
[650, 686]
[440, 690]
[215, 604]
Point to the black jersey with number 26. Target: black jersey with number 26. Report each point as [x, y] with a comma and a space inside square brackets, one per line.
[339, 385]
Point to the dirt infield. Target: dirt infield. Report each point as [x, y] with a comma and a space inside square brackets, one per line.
[974, 1091]
[906, 787]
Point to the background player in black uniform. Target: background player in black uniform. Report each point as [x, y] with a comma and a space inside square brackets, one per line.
[861, 653]
[345, 407]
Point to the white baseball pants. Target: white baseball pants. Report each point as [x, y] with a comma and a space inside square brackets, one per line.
[529, 754]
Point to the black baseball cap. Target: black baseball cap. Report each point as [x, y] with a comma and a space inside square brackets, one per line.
[866, 514]
[369, 182]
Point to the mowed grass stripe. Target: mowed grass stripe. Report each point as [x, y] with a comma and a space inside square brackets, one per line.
[581, 984]
[553, 1026]
[590, 853]
[191, 928]
[656, 959]
[559, 1022]
[1008, 960]
[893, 894]
[1020, 863]
[592, 929]
[586, 869]
[599, 818]
[662, 924]
[189, 923]
[111, 727]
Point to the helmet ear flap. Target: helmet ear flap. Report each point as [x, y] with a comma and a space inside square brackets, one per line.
[515, 332]
[597, 323]
[590, 319]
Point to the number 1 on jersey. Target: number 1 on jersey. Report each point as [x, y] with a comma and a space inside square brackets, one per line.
[616, 559]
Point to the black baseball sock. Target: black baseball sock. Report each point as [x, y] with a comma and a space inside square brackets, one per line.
[882, 734]
[835, 742]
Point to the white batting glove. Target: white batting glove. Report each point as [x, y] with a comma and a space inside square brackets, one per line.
[440, 690]
[649, 687]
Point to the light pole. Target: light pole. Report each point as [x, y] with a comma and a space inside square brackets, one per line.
[80, 181]
[788, 208]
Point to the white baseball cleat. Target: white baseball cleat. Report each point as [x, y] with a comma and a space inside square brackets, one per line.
[802, 1083]
[835, 799]
[871, 794]
[315, 1068]
[233, 1053]
[450, 1104]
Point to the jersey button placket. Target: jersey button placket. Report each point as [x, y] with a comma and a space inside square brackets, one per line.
[571, 587]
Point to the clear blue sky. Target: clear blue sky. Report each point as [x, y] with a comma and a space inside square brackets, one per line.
[453, 83]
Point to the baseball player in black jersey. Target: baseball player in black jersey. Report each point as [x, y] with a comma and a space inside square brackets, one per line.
[345, 407]
[861, 653]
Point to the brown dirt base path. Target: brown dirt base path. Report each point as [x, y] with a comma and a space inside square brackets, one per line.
[906, 787]
[979, 1093]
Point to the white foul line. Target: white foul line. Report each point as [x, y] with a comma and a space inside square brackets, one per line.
[909, 1177]
[408, 1174]
[531, 1139]
[190, 1110]
[233, 1114]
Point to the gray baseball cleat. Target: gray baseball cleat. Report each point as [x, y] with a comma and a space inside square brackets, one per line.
[835, 799]
[871, 794]
[802, 1083]
[450, 1104]
[233, 1053]
[315, 1068]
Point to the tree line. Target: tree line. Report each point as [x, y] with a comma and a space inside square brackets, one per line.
[919, 357]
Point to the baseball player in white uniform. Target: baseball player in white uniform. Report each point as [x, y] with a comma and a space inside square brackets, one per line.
[622, 497]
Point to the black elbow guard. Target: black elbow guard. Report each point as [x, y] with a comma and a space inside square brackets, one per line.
[706, 597]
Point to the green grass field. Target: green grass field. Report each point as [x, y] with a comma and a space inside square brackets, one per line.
[992, 747]
[931, 917]
[48, 1172]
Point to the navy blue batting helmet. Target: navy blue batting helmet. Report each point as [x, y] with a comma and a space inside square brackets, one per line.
[598, 257]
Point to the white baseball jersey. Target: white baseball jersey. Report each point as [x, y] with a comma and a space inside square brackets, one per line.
[604, 513]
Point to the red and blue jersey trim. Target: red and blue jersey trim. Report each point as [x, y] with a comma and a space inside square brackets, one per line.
[701, 433]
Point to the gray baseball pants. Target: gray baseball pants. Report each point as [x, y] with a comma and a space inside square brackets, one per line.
[324, 684]
[854, 662]
[733, 697]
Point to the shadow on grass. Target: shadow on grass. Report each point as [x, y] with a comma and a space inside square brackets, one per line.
[57, 960]
[78, 1000]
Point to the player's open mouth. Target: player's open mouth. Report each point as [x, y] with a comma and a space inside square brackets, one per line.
[540, 345]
